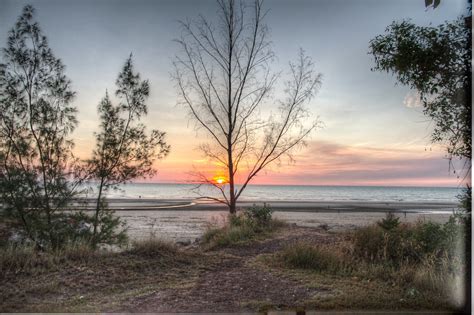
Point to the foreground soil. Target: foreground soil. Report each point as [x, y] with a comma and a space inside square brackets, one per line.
[190, 279]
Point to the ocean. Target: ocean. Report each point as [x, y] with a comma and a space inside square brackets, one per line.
[293, 193]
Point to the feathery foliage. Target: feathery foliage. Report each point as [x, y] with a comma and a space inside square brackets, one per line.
[124, 151]
[36, 120]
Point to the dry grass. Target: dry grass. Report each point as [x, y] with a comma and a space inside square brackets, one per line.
[339, 276]
[25, 259]
[403, 268]
[306, 256]
[153, 247]
[428, 275]
[81, 280]
[239, 230]
[363, 287]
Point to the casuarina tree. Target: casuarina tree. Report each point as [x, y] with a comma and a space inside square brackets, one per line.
[36, 120]
[124, 150]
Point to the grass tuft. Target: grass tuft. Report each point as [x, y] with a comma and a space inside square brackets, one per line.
[78, 253]
[229, 234]
[306, 256]
[14, 259]
[152, 247]
[253, 223]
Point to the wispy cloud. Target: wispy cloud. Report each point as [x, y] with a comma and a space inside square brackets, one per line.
[336, 164]
[413, 100]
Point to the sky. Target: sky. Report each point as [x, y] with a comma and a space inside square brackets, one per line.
[374, 131]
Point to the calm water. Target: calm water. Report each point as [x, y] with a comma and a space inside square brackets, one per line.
[296, 193]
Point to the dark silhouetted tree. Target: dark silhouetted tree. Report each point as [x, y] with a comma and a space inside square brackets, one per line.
[435, 61]
[124, 151]
[223, 77]
[36, 120]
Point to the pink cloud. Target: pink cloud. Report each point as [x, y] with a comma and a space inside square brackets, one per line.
[328, 163]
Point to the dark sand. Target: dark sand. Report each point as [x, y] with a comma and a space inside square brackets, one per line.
[305, 206]
[186, 220]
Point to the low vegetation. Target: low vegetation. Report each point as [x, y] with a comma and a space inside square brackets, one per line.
[385, 266]
[250, 224]
[419, 259]
[153, 247]
[26, 260]
[17, 260]
[306, 256]
[78, 278]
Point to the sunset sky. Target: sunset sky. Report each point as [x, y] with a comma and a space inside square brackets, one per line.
[374, 131]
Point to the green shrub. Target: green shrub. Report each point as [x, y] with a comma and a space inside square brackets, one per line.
[406, 243]
[67, 229]
[79, 229]
[260, 216]
[431, 237]
[390, 222]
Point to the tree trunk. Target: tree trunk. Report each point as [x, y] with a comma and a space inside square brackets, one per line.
[232, 206]
[97, 209]
[232, 199]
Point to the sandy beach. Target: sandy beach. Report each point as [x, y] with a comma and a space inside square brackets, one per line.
[186, 220]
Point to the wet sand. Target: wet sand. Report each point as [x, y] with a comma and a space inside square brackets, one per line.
[186, 220]
[305, 206]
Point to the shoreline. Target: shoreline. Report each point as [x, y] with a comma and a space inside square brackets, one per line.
[137, 204]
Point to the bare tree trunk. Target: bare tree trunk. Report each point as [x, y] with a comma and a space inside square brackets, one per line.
[46, 202]
[230, 161]
[232, 199]
[97, 209]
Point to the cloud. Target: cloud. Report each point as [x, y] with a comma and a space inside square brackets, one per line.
[328, 163]
[413, 100]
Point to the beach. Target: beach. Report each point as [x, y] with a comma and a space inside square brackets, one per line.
[185, 221]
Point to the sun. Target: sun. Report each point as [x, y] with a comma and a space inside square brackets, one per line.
[220, 180]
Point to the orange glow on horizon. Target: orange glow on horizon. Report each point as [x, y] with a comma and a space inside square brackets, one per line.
[320, 163]
[219, 179]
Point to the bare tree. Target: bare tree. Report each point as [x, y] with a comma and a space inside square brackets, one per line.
[223, 76]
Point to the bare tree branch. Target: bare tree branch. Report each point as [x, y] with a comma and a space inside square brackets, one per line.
[227, 102]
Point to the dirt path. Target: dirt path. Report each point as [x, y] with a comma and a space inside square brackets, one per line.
[233, 284]
[162, 279]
